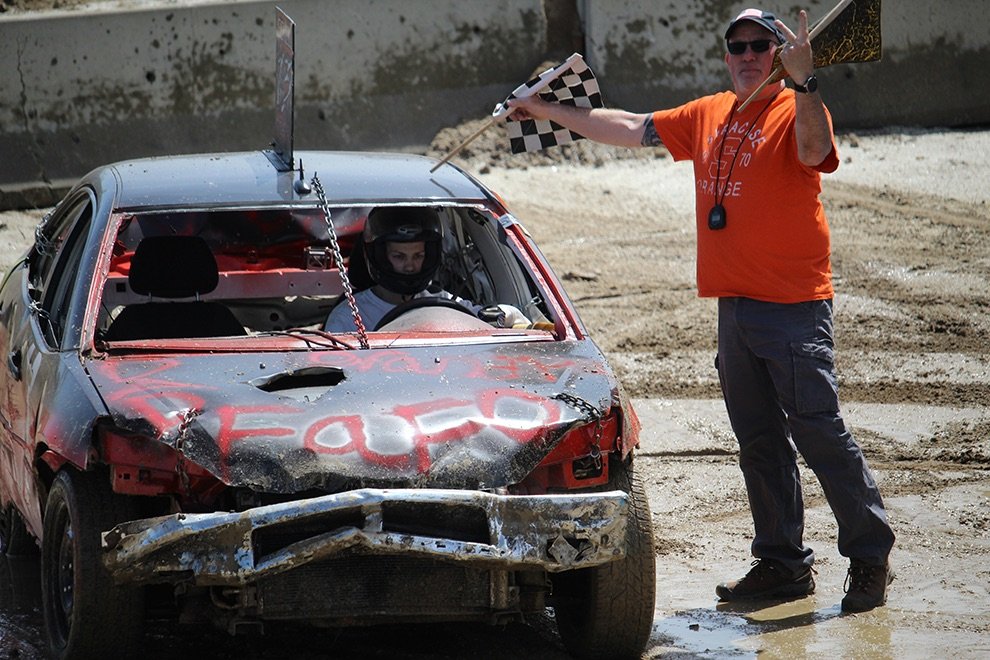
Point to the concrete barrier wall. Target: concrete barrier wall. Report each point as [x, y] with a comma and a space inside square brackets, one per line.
[656, 53]
[85, 88]
[81, 89]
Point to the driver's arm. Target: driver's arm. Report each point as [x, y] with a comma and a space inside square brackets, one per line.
[502, 315]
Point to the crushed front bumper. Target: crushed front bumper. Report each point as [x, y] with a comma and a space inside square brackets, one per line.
[550, 532]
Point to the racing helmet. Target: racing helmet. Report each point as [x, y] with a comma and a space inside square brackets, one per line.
[402, 224]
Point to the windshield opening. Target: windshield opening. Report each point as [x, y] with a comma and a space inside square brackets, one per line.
[220, 273]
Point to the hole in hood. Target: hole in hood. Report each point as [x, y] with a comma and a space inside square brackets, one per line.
[306, 384]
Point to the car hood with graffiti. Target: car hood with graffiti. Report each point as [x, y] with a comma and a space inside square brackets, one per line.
[480, 416]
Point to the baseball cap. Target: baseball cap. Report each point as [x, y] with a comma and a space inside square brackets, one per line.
[762, 18]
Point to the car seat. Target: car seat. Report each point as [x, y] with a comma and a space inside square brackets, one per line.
[173, 267]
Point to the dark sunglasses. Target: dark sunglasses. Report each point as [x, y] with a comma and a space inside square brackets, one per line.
[739, 47]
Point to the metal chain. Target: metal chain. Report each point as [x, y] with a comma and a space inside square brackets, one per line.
[35, 308]
[43, 244]
[593, 414]
[185, 420]
[338, 259]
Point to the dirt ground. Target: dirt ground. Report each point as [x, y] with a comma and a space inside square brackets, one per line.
[910, 229]
[910, 236]
[910, 221]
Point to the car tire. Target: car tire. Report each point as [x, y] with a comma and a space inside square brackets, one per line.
[14, 538]
[86, 615]
[607, 611]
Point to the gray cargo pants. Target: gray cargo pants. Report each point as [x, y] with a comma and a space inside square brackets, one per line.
[775, 365]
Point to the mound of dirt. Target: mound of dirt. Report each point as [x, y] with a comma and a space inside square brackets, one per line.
[39, 5]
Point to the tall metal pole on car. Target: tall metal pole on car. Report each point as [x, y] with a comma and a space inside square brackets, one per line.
[285, 84]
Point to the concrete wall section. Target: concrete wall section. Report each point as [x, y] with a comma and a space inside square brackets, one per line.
[86, 88]
[657, 53]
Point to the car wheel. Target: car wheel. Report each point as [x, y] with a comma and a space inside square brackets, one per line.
[86, 615]
[14, 538]
[607, 611]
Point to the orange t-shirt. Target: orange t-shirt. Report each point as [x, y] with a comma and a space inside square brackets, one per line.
[775, 246]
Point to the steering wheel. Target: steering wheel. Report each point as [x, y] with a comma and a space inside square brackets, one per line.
[419, 303]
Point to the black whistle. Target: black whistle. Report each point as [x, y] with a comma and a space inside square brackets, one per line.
[716, 217]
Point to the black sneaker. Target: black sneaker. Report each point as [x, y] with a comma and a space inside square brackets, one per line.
[768, 579]
[866, 586]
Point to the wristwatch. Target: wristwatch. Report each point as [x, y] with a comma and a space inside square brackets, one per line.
[810, 85]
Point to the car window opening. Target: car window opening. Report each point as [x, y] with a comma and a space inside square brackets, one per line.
[222, 273]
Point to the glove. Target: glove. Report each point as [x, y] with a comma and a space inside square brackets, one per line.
[513, 317]
[504, 316]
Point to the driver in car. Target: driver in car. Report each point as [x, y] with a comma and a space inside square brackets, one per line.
[402, 250]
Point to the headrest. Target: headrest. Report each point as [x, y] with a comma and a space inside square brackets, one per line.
[173, 267]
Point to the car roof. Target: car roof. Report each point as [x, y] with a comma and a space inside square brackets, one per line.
[251, 178]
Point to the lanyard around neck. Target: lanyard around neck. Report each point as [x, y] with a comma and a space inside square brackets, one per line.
[721, 147]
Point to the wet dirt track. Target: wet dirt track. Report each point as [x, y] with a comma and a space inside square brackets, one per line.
[910, 219]
[909, 233]
[912, 266]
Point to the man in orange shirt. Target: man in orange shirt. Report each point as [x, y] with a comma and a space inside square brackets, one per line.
[763, 251]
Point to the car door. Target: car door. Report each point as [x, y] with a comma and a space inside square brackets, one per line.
[38, 379]
[13, 320]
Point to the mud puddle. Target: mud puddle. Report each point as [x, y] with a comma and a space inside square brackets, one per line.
[939, 509]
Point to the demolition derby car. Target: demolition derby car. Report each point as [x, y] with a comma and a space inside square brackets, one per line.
[181, 434]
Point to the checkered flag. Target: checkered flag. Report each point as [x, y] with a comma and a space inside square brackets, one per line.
[572, 83]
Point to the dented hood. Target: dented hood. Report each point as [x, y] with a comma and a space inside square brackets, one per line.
[450, 417]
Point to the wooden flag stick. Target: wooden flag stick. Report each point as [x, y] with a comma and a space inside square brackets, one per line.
[818, 27]
[471, 138]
